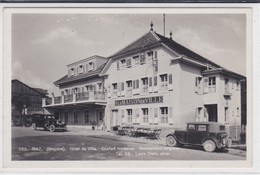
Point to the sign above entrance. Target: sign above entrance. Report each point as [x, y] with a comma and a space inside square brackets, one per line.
[135, 101]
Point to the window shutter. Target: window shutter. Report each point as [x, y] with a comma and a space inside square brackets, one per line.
[118, 89]
[133, 84]
[155, 54]
[155, 112]
[137, 84]
[206, 84]
[129, 62]
[170, 78]
[150, 81]
[196, 84]
[170, 112]
[108, 91]
[155, 81]
[117, 65]
[122, 87]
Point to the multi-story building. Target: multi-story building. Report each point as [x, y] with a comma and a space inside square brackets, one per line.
[156, 82]
[82, 94]
[152, 82]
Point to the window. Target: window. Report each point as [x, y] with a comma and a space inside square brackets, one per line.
[191, 127]
[212, 84]
[137, 59]
[72, 71]
[142, 59]
[198, 87]
[238, 112]
[164, 114]
[150, 54]
[164, 82]
[86, 117]
[145, 115]
[114, 93]
[90, 66]
[155, 55]
[122, 63]
[66, 117]
[129, 90]
[114, 86]
[128, 62]
[76, 117]
[80, 69]
[202, 128]
[129, 115]
[145, 85]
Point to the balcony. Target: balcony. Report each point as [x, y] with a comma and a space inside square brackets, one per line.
[77, 98]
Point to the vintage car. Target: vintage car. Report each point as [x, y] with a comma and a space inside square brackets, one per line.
[48, 122]
[210, 135]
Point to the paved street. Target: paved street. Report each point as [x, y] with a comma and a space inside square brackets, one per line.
[82, 144]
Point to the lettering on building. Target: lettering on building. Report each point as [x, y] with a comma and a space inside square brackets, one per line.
[146, 100]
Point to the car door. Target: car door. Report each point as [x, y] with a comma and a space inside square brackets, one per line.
[191, 134]
[202, 133]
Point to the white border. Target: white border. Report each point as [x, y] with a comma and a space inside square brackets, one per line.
[106, 165]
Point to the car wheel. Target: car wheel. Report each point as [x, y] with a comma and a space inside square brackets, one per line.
[34, 126]
[209, 146]
[171, 141]
[52, 128]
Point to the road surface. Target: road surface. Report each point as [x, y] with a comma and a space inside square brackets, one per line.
[77, 144]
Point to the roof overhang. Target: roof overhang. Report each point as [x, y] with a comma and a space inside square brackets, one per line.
[223, 72]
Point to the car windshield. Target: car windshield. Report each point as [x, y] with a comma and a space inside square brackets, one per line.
[222, 128]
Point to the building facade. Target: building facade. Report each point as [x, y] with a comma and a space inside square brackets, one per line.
[156, 82]
[26, 100]
[152, 82]
[82, 94]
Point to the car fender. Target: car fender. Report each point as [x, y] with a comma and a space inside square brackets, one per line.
[175, 138]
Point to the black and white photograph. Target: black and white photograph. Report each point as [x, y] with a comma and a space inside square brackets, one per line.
[120, 86]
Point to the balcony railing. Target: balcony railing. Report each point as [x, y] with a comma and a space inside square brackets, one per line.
[68, 98]
[57, 100]
[74, 98]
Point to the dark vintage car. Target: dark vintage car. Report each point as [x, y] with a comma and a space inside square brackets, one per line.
[210, 135]
[48, 122]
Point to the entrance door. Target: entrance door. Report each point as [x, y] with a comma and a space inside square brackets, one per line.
[212, 112]
[114, 118]
[100, 117]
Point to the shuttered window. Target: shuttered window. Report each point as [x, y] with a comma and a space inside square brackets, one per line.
[170, 78]
[155, 81]
[150, 81]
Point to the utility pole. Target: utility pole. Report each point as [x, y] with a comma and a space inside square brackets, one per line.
[163, 24]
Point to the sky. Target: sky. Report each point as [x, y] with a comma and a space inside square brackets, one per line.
[44, 44]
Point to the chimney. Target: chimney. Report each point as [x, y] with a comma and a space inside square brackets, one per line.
[171, 35]
[151, 29]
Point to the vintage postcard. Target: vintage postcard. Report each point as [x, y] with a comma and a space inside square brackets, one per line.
[127, 88]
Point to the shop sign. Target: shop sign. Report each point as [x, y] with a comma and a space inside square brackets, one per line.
[135, 101]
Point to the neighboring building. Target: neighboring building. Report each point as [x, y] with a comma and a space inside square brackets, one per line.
[26, 100]
[82, 94]
[156, 82]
